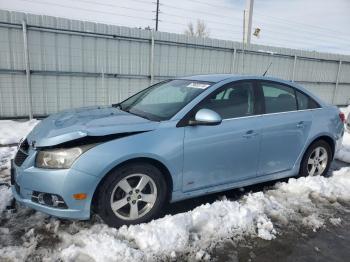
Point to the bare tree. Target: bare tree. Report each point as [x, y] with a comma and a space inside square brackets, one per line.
[200, 30]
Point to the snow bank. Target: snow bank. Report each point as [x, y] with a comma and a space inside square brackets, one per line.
[344, 152]
[12, 131]
[5, 197]
[303, 201]
[297, 201]
[345, 110]
[6, 153]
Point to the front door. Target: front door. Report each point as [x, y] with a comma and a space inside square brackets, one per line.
[228, 152]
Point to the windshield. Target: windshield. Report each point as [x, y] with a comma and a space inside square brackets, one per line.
[162, 101]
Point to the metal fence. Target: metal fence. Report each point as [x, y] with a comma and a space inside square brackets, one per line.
[48, 64]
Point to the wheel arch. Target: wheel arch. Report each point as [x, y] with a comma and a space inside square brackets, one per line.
[161, 166]
[328, 139]
[324, 137]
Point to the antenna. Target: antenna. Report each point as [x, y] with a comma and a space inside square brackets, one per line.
[267, 69]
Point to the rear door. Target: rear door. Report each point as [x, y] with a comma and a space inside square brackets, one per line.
[285, 129]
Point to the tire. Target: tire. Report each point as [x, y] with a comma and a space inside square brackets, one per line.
[148, 198]
[313, 163]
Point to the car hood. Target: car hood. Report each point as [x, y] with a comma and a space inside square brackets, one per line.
[92, 121]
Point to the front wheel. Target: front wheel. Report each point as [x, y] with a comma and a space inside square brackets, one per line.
[317, 159]
[131, 194]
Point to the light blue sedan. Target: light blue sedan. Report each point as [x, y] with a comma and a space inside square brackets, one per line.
[177, 139]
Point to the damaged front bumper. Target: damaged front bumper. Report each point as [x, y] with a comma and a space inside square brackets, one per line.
[28, 183]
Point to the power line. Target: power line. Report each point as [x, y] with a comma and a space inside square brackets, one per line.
[113, 5]
[296, 23]
[210, 4]
[85, 9]
[142, 1]
[206, 20]
[212, 36]
[299, 33]
[214, 28]
[292, 26]
[196, 11]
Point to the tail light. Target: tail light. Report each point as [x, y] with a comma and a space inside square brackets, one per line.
[342, 117]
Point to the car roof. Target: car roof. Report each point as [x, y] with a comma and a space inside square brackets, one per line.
[215, 78]
[210, 77]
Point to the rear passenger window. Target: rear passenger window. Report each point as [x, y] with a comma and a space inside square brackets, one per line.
[278, 98]
[305, 102]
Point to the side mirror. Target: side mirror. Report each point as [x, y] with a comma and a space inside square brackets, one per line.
[206, 117]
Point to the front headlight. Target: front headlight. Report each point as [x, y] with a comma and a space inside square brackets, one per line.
[61, 158]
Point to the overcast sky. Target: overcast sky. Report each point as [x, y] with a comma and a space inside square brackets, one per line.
[320, 25]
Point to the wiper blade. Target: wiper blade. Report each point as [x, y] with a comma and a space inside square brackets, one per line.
[118, 105]
[139, 115]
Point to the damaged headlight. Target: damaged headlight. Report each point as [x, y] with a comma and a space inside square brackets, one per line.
[61, 158]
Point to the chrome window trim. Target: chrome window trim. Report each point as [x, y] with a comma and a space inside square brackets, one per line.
[277, 113]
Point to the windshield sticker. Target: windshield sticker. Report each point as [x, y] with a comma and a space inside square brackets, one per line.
[198, 85]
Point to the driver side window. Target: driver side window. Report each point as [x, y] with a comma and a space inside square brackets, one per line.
[234, 100]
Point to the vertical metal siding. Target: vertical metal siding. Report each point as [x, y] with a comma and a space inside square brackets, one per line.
[75, 63]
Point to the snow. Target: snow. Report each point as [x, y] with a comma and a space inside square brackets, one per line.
[12, 131]
[6, 153]
[5, 197]
[307, 201]
[344, 152]
[336, 221]
[255, 214]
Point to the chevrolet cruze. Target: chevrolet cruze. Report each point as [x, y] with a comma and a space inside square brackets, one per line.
[177, 139]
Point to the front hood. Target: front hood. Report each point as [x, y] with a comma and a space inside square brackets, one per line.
[92, 121]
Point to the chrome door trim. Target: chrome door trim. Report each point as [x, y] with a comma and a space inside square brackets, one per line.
[278, 113]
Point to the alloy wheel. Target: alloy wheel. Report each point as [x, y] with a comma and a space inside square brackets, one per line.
[317, 161]
[133, 196]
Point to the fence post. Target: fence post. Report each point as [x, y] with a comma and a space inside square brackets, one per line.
[243, 51]
[336, 82]
[294, 66]
[107, 100]
[27, 65]
[152, 57]
[233, 61]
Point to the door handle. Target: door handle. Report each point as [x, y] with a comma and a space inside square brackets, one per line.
[250, 133]
[301, 124]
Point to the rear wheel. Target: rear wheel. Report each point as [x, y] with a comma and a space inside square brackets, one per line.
[131, 194]
[317, 159]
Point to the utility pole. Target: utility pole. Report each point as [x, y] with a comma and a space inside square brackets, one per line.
[248, 18]
[157, 15]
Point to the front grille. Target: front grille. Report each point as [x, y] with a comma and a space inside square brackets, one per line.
[22, 153]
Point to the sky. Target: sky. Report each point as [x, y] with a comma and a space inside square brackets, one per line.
[314, 25]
